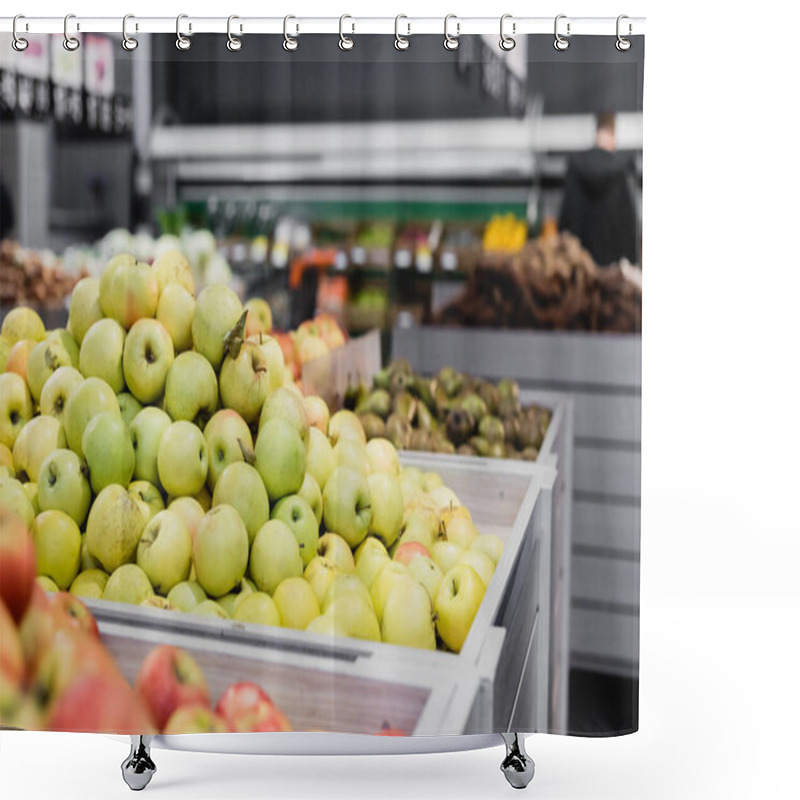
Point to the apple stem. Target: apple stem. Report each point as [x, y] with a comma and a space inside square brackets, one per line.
[247, 453]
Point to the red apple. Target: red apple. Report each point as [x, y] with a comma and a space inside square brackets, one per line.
[12, 661]
[287, 347]
[17, 564]
[101, 704]
[195, 719]
[408, 551]
[168, 679]
[74, 613]
[246, 708]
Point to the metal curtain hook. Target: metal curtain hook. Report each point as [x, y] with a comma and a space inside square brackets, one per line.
[507, 42]
[18, 43]
[71, 43]
[622, 44]
[289, 43]
[128, 42]
[561, 43]
[182, 43]
[451, 42]
[345, 42]
[233, 44]
[401, 42]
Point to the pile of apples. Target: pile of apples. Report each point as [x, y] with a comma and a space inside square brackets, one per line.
[164, 457]
[313, 339]
[56, 674]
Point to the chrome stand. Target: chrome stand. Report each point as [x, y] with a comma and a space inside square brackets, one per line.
[518, 766]
[138, 768]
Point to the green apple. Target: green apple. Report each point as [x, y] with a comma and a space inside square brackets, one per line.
[382, 457]
[345, 424]
[241, 486]
[416, 475]
[175, 312]
[244, 381]
[416, 531]
[5, 349]
[146, 359]
[320, 462]
[353, 616]
[63, 485]
[460, 530]
[172, 269]
[428, 573]
[14, 498]
[259, 316]
[208, 608]
[156, 601]
[46, 583]
[128, 584]
[23, 323]
[480, 562]
[387, 507]
[274, 556]
[56, 391]
[285, 404]
[107, 298]
[489, 544]
[129, 407]
[191, 391]
[165, 551]
[353, 454]
[35, 442]
[186, 595]
[134, 293]
[317, 412]
[444, 497]
[101, 353]
[220, 550]
[149, 495]
[347, 505]
[230, 600]
[90, 398]
[190, 511]
[345, 583]
[280, 458]
[182, 459]
[108, 451]
[333, 548]
[229, 441]
[446, 554]
[320, 574]
[147, 428]
[87, 560]
[389, 575]
[430, 480]
[32, 491]
[89, 584]
[297, 604]
[408, 616]
[457, 602]
[216, 312]
[116, 521]
[57, 540]
[7, 462]
[297, 514]
[16, 407]
[259, 608]
[84, 307]
[45, 358]
[370, 558]
[311, 493]
[273, 355]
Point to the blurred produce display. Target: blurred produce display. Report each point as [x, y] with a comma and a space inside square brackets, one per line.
[450, 413]
[35, 277]
[163, 455]
[505, 234]
[551, 283]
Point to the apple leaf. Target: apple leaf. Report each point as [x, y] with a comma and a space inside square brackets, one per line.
[234, 338]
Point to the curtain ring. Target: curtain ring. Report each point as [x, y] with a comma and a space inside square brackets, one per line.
[507, 42]
[622, 44]
[289, 42]
[450, 41]
[233, 44]
[345, 42]
[182, 43]
[18, 43]
[401, 42]
[560, 42]
[128, 42]
[71, 43]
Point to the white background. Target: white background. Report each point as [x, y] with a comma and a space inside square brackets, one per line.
[720, 535]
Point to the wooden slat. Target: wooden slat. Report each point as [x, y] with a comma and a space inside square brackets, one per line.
[606, 580]
[607, 472]
[605, 641]
[606, 525]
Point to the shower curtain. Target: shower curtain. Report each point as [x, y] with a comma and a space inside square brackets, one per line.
[321, 378]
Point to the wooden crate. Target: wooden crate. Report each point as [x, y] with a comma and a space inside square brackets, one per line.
[505, 498]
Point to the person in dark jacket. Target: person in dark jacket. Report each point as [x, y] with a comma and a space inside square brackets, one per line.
[598, 204]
